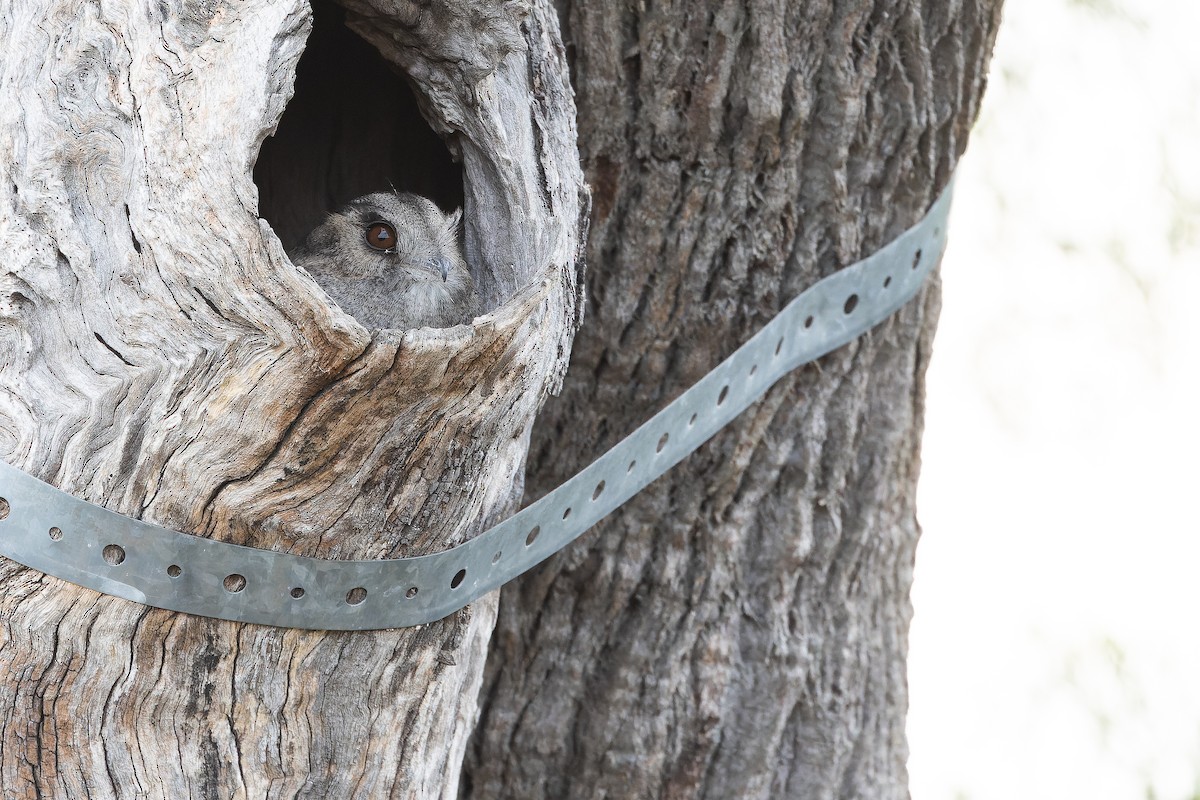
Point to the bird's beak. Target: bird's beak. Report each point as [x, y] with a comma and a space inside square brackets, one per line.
[442, 265]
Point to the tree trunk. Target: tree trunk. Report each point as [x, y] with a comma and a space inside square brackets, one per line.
[160, 356]
[740, 628]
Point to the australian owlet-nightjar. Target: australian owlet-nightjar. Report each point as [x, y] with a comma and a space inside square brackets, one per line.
[392, 260]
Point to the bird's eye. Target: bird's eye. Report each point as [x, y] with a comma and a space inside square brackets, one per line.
[381, 236]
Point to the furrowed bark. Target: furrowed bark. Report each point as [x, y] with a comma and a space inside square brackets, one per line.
[740, 628]
[161, 356]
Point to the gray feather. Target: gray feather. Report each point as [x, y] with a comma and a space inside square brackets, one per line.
[422, 281]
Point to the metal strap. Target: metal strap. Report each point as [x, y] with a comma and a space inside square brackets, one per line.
[103, 550]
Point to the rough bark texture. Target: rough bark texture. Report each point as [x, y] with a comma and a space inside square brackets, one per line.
[160, 356]
[738, 630]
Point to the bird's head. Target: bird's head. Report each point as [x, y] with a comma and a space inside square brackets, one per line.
[385, 233]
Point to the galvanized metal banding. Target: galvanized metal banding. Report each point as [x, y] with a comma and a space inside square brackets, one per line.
[51, 531]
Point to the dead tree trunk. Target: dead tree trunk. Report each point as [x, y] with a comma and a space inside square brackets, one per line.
[161, 356]
[739, 629]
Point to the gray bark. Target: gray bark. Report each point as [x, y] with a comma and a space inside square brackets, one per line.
[160, 356]
[736, 631]
[740, 628]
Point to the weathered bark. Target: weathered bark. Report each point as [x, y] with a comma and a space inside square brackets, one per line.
[737, 631]
[740, 628]
[160, 356]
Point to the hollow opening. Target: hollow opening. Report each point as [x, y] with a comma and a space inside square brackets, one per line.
[352, 127]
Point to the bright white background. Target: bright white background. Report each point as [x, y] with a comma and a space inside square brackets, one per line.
[1055, 649]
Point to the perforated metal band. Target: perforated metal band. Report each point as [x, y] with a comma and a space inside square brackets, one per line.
[86, 544]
